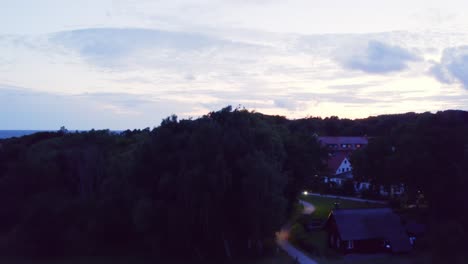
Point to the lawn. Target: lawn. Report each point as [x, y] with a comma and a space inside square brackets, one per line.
[323, 205]
[315, 243]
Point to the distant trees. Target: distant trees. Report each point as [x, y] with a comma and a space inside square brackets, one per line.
[424, 153]
[219, 186]
[215, 187]
[428, 153]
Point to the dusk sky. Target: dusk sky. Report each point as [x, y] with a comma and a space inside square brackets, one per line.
[127, 64]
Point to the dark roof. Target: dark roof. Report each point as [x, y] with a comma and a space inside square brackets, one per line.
[343, 140]
[335, 161]
[375, 223]
[334, 144]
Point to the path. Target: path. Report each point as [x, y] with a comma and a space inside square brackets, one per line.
[347, 198]
[282, 239]
[308, 207]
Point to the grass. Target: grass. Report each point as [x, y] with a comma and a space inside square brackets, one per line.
[318, 239]
[312, 243]
[315, 243]
[296, 212]
[323, 205]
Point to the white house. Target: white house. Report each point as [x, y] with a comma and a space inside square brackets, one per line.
[339, 168]
[344, 166]
[361, 186]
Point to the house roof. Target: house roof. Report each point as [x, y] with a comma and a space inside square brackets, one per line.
[343, 140]
[343, 143]
[375, 223]
[335, 161]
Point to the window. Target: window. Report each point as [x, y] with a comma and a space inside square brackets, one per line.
[344, 145]
[358, 145]
[350, 244]
[387, 244]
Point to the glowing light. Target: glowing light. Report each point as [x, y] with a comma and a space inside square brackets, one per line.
[305, 193]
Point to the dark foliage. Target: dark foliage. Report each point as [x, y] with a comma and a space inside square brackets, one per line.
[215, 187]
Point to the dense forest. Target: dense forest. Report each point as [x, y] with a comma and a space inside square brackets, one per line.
[214, 187]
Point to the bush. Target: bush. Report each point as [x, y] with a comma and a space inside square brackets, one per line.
[347, 188]
[369, 194]
[304, 220]
[314, 243]
[395, 203]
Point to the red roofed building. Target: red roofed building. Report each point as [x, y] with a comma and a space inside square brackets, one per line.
[347, 144]
[338, 163]
[339, 168]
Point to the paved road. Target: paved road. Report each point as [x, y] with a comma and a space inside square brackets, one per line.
[308, 207]
[283, 235]
[348, 198]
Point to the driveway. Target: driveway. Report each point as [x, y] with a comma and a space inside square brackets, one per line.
[348, 198]
[308, 207]
[283, 235]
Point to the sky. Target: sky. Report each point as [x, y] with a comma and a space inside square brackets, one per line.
[124, 64]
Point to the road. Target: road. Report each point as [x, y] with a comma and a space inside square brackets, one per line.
[308, 207]
[283, 235]
[348, 198]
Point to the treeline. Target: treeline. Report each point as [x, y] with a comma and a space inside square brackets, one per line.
[215, 187]
[218, 186]
[428, 153]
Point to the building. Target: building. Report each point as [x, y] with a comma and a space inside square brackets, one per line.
[392, 190]
[367, 231]
[339, 167]
[343, 144]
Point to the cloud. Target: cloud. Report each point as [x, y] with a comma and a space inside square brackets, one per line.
[131, 77]
[290, 104]
[453, 67]
[120, 100]
[120, 47]
[378, 58]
